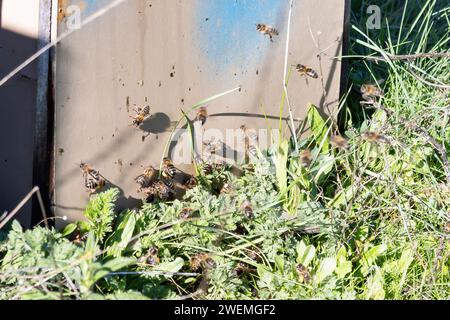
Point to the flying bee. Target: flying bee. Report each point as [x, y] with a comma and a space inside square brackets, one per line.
[145, 178]
[250, 133]
[186, 213]
[339, 142]
[141, 115]
[370, 91]
[306, 71]
[306, 158]
[168, 169]
[201, 260]
[375, 137]
[303, 274]
[226, 189]
[267, 30]
[242, 269]
[247, 208]
[202, 115]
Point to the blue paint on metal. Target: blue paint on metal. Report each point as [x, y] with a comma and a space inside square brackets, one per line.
[226, 30]
[92, 6]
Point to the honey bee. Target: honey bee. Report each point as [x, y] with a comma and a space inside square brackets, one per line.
[250, 133]
[306, 71]
[145, 179]
[339, 142]
[370, 91]
[207, 168]
[93, 180]
[242, 269]
[247, 209]
[202, 115]
[141, 115]
[306, 158]
[201, 260]
[164, 190]
[191, 182]
[151, 257]
[375, 137]
[226, 188]
[267, 30]
[168, 169]
[93, 185]
[447, 228]
[303, 274]
[186, 213]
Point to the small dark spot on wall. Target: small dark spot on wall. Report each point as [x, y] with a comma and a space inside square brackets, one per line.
[257, 72]
[172, 74]
[60, 151]
[159, 84]
[189, 89]
[207, 19]
[182, 101]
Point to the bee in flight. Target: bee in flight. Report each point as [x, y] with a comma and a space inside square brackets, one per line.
[306, 71]
[144, 180]
[168, 169]
[141, 115]
[303, 274]
[370, 91]
[93, 180]
[375, 137]
[267, 30]
[339, 142]
[201, 260]
[247, 209]
[306, 158]
[202, 115]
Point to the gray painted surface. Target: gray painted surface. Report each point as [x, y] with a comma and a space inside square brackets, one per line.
[17, 101]
[175, 53]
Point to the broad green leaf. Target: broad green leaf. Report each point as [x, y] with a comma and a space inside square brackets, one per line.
[172, 266]
[326, 269]
[119, 240]
[374, 288]
[69, 229]
[279, 263]
[305, 254]
[344, 266]
[281, 164]
[319, 128]
[113, 265]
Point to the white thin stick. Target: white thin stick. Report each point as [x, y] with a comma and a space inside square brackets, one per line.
[286, 57]
[91, 18]
[10, 215]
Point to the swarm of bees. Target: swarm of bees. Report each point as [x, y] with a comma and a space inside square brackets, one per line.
[371, 91]
[306, 158]
[141, 114]
[247, 209]
[152, 188]
[375, 137]
[201, 261]
[202, 115]
[306, 71]
[93, 180]
[339, 142]
[267, 30]
[303, 274]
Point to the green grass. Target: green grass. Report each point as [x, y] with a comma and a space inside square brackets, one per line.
[367, 222]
